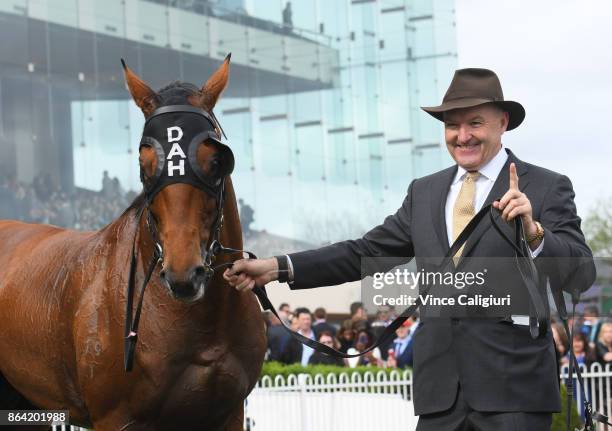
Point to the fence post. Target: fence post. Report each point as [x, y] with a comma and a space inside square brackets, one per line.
[302, 383]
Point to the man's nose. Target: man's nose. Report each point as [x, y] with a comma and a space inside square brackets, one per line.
[464, 135]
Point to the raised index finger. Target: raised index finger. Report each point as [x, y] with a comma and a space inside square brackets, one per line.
[514, 181]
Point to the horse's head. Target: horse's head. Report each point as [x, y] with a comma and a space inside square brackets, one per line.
[183, 168]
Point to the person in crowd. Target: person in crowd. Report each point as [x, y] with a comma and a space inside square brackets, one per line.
[345, 337]
[320, 325]
[287, 17]
[107, 185]
[401, 354]
[246, 214]
[359, 317]
[561, 342]
[580, 346]
[591, 324]
[327, 338]
[603, 349]
[284, 311]
[296, 352]
[278, 338]
[584, 357]
[377, 327]
[363, 340]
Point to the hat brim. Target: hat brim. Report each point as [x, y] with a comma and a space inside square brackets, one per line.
[515, 110]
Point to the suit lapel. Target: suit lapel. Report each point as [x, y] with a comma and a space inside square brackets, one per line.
[439, 192]
[500, 187]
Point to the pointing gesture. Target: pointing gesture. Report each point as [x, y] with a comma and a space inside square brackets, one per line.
[515, 203]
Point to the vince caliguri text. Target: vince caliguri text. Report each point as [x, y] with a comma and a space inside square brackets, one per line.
[483, 301]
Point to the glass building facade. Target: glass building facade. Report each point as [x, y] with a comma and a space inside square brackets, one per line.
[322, 109]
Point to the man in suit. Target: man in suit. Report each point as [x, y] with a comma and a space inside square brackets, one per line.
[469, 374]
[295, 352]
[320, 324]
[402, 346]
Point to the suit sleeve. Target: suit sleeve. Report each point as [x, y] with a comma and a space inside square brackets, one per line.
[568, 259]
[342, 262]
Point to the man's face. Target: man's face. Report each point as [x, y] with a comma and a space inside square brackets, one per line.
[402, 331]
[360, 313]
[327, 340]
[473, 135]
[304, 322]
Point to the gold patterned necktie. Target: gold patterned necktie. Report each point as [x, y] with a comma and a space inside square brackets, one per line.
[463, 211]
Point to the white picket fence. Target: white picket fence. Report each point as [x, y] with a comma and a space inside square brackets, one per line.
[332, 402]
[356, 402]
[598, 385]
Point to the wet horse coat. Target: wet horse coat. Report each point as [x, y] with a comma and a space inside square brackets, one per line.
[62, 308]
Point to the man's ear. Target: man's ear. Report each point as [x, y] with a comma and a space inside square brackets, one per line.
[505, 121]
[145, 98]
[215, 85]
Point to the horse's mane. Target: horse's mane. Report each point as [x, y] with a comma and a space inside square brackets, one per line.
[136, 204]
[176, 93]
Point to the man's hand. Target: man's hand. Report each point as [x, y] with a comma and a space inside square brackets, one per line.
[246, 273]
[515, 203]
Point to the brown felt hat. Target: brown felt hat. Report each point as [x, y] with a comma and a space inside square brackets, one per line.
[473, 87]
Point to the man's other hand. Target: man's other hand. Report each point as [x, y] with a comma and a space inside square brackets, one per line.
[245, 274]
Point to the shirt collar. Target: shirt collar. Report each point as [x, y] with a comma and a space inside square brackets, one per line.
[491, 170]
[402, 340]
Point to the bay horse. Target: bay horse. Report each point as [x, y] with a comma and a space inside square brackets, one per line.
[63, 303]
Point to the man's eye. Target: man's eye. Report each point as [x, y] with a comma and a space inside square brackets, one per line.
[476, 123]
[451, 126]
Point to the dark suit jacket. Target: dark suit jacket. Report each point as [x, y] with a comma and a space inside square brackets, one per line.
[277, 341]
[292, 354]
[405, 359]
[498, 365]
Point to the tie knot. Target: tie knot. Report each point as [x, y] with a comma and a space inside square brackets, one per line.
[471, 176]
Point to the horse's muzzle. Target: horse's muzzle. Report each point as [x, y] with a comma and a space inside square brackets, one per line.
[188, 289]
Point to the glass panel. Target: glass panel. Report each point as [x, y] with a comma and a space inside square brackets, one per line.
[325, 112]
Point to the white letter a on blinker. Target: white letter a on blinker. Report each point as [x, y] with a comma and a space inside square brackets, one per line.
[176, 150]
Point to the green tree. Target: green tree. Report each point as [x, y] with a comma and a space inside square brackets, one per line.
[598, 228]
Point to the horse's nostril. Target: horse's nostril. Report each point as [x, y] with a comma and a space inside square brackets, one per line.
[199, 272]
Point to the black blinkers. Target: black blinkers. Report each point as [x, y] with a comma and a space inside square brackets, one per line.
[175, 133]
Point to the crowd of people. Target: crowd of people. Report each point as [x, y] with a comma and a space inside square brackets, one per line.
[354, 335]
[43, 201]
[592, 338]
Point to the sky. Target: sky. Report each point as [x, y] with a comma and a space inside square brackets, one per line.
[555, 58]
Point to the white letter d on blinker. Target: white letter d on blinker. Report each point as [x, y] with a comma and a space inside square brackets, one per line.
[179, 133]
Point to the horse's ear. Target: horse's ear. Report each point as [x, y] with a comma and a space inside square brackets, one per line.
[215, 85]
[145, 98]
